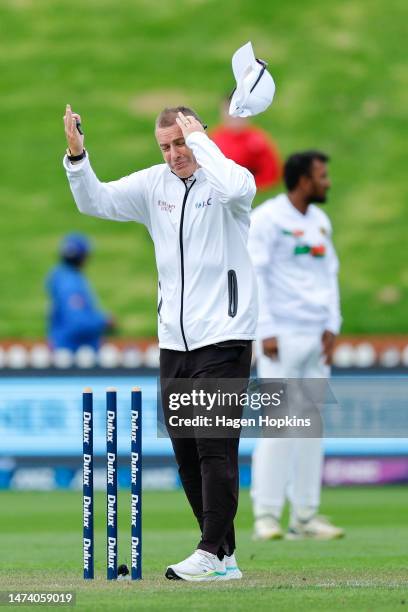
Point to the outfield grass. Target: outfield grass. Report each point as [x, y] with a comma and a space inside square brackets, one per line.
[40, 548]
[341, 86]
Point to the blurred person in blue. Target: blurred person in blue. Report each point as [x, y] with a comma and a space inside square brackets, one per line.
[75, 318]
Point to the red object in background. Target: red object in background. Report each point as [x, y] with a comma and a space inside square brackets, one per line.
[250, 147]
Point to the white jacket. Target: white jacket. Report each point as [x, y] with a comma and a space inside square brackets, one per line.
[296, 267]
[207, 286]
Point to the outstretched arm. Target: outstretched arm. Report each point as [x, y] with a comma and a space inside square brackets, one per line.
[121, 200]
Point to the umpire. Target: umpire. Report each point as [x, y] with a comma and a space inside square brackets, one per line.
[196, 207]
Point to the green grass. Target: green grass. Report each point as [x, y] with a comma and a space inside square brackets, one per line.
[341, 86]
[40, 549]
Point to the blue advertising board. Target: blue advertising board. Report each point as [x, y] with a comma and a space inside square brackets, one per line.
[42, 416]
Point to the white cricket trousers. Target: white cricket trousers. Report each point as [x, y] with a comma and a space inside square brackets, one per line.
[289, 468]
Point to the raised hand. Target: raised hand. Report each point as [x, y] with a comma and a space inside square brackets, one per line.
[74, 138]
[188, 124]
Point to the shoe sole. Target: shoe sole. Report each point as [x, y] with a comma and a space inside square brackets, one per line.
[233, 575]
[305, 536]
[274, 536]
[171, 575]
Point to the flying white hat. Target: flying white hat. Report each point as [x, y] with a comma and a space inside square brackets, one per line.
[255, 86]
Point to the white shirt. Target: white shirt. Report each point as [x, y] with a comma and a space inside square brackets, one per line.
[296, 267]
[207, 286]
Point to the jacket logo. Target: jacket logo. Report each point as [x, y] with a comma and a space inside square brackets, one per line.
[319, 250]
[165, 206]
[297, 233]
[203, 204]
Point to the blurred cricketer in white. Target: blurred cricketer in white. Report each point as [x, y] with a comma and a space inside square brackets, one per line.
[196, 207]
[299, 317]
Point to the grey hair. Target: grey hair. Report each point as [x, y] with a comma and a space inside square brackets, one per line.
[168, 116]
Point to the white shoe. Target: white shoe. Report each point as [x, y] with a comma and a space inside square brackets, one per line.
[201, 566]
[231, 568]
[315, 528]
[267, 528]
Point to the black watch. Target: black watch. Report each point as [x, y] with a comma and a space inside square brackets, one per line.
[76, 158]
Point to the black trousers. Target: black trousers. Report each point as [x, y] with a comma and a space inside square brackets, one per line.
[208, 468]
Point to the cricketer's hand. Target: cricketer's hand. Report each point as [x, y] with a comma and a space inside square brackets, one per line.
[270, 347]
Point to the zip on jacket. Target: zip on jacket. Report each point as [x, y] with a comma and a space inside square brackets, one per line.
[188, 189]
[159, 307]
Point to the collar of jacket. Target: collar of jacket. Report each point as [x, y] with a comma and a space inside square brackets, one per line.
[198, 175]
